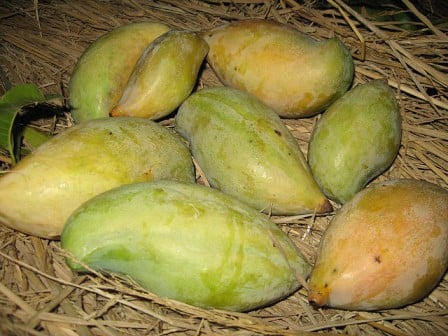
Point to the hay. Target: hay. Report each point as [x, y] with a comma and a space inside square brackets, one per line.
[40, 43]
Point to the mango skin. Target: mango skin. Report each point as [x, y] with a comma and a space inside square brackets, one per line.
[164, 76]
[356, 139]
[40, 192]
[384, 249]
[186, 242]
[288, 70]
[102, 72]
[245, 150]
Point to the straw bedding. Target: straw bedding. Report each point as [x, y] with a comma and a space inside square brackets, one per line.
[40, 43]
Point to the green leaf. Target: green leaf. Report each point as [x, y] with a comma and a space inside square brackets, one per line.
[22, 95]
[11, 104]
[34, 138]
[53, 96]
[7, 115]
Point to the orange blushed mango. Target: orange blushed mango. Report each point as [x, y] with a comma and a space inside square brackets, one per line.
[386, 248]
[288, 70]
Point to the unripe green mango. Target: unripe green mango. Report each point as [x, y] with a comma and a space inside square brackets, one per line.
[245, 149]
[186, 242]
[164, 76]
[385, 248]
[102, 72]
[355, 140]
[288, 70]
[40, 192]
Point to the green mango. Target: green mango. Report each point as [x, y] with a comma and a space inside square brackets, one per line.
[385, 248]
[186, 242]
[355, 140]
[40, 192]
[164, 76]
[102, 72]
[295, 74]
[245, 150]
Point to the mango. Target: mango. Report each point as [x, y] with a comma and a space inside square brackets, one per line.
[295, 74]
[386, 248]
[102, 71]
[245, 150]
[40, 192]
[356, 139]
[187, 242]
[164, 76]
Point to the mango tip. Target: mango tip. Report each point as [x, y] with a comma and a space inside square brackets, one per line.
[318, 299]
[324, 207]
[117, 111]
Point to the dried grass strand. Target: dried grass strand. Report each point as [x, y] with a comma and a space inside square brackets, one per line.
[36, 317]
[353, 27]
[404, 88]
[416, 64]
[432, 316]
[16, 299]
[425, 20]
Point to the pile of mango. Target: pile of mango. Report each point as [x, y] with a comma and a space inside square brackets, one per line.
[120, 190]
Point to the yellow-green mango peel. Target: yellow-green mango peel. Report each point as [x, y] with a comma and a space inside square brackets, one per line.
[355, 140]
[40, 192]
[245, 149]
[164, 76]
[186, 242]
[102, 72]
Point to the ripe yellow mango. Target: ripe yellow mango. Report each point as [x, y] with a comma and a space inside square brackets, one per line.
[102, 71]
[245, 149]
[186, 242]
[288, 70]
[40, 192]
[164, 76]
[355, 140]
[386, 248]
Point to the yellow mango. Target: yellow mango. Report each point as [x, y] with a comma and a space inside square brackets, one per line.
[164, 76]
[385, 248]
[40, 192]
[288, 70]
[101, 73]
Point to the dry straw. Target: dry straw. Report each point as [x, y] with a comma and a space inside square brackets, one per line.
[40, 43]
